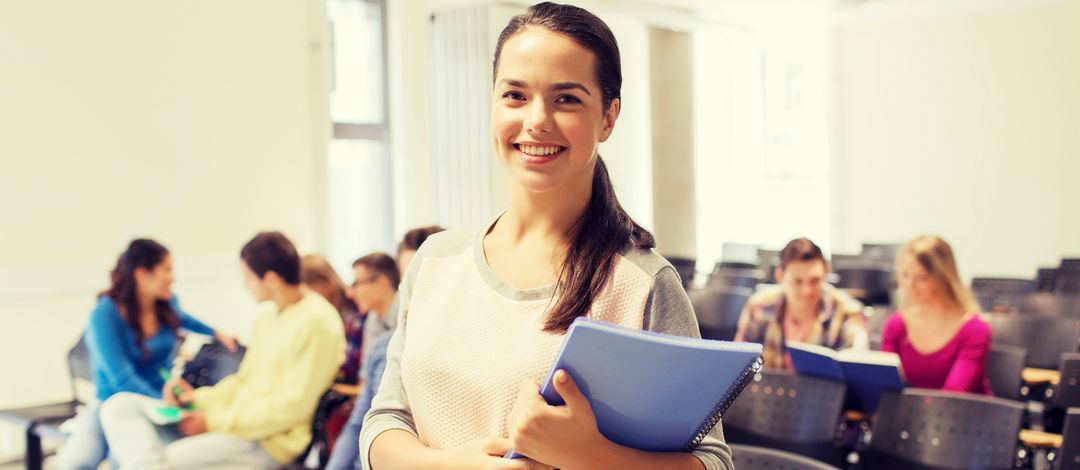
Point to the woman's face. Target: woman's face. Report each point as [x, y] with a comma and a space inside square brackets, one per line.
[156, 282]
[916, 284]
[547, 111]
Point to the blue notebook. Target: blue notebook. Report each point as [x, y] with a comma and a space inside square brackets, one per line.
[652, 391]
[868, 374]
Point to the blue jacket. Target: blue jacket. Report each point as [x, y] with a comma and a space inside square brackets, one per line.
[119, 365]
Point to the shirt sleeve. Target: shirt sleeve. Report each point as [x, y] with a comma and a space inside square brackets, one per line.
[891, 335]
[189, 322]
[106, 337]
[969, 370]
[668, 311]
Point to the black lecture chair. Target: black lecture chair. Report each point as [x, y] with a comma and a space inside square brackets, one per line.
[1068, 456]
[935, 429]
[1044, 338]
[44, 420]
[876, 317]
[718, 309]
[768, 261]
[734, 277]
[1063, 395]
[997, 294]
[795, 413]
[870, 282]
[760, 458]
[884, 252]
[1068, 277]
[1051, 304]
[1004, 368]
[685, 268]
[1047, 279]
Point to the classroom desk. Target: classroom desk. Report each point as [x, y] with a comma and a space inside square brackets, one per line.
[1034, 376]
[1040, 439]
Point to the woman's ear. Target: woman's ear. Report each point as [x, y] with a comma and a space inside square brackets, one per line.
[140, 274]
[610, 116]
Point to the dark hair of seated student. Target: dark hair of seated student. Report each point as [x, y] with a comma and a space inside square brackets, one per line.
[141, 255]
[272, 252]
[381, 264]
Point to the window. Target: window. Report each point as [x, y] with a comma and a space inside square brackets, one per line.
[358, 157]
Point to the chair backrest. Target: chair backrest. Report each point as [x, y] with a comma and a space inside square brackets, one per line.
[1004, 368]
[718, 310]
[873, 281]
[80, 372]
[212, 363]
[948, 429]
[79, 361]
[998, 294]
[1067, 391]
[1068, 276]
[733, 277]
[759, 458]
[788, 408]
[1068, 283]
[768, 261]
[885, 252]
[1051, 304]
[685, 268]
[723, 265]
[1047, 279]
[1004, 285]
[1068, 457]
[1044, 338]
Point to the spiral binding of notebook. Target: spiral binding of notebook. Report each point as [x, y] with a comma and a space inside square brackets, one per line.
[724, 403]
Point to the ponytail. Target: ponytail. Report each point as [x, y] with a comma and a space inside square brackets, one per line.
[597, 238]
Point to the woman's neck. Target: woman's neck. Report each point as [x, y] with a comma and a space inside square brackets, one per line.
[937, 308]
[146, 305]
[550, 215]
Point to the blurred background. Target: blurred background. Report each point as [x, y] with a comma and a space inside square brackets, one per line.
[345, 122]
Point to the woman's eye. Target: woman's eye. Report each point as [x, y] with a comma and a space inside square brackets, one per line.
[567, 99]
[514, 95]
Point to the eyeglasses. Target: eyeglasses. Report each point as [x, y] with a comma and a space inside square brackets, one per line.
[369, 280]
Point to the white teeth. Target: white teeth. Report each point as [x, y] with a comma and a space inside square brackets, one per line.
[539, 150]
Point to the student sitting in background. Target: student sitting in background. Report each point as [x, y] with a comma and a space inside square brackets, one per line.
[261, 416]
[317, 274]
[803, 308]
[346, 453]
[131, 338]
[941, 339]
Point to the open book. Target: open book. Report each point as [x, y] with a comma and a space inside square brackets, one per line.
[652, 391]
[162, 414]
[868, 374]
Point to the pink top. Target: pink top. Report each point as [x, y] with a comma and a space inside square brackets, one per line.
[959, 366]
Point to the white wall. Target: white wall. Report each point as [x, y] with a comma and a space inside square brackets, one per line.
[197, 123]
[961, 122]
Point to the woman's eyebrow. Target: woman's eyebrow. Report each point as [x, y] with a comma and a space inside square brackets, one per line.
[560, 86]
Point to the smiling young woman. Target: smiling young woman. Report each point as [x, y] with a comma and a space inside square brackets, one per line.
[483, 310]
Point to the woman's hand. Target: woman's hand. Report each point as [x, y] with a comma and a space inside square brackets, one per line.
[228, 341]
[486, 453]
[560, 436]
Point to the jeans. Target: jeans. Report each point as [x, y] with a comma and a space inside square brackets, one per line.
[137, 444]
[86, 447]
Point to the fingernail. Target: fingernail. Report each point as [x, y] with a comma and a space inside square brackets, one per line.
[561, 376]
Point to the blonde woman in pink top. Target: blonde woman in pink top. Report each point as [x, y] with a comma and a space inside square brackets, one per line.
[942, 341]
[484, 310]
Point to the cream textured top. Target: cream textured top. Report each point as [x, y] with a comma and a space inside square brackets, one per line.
[466, 340]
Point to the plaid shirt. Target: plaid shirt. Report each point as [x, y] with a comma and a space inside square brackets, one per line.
[839, 324]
